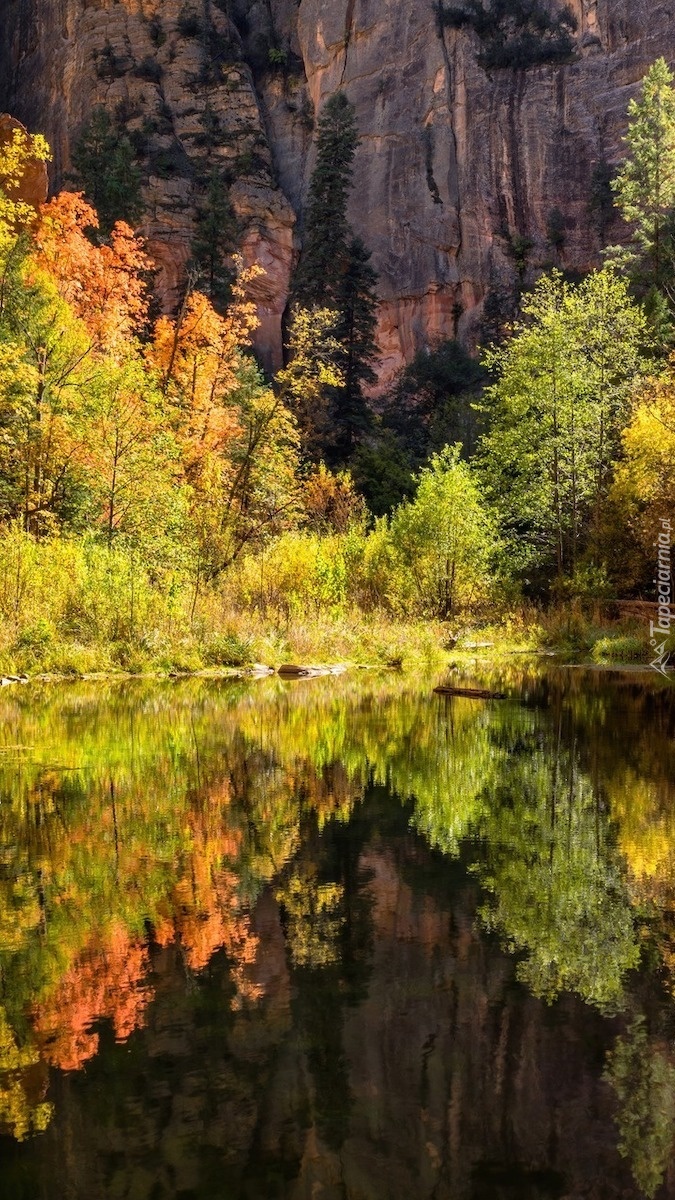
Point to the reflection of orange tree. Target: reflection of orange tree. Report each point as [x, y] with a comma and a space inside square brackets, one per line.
[139, 839]
[106, 980]
[204, 911]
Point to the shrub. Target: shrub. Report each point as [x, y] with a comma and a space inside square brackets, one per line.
[228, 650]
[619, 648]
[277, 58]
[156, 31]
[189, 24]
[515, 34]
[150, 69]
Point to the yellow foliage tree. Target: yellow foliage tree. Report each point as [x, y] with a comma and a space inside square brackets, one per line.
[644, 488]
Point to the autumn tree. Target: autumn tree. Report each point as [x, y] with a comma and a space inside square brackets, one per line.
[238, 440]
[20, 153]
[643, 490]
[331, 502]
[105, 285]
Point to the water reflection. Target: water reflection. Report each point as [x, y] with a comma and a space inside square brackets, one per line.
[337, 938]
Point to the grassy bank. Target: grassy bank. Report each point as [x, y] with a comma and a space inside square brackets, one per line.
[239, 639]
[71, 607]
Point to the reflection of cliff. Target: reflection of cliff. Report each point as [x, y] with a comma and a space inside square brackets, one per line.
[458, 170]
[458, 1085]
[210, 898]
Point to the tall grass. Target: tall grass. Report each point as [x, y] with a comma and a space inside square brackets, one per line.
[76, 606]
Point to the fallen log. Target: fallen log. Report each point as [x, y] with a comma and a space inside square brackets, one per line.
[472, 693]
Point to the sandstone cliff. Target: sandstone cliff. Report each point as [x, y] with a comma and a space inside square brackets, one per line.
[458, 170]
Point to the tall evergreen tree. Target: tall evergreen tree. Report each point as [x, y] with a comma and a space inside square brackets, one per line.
[319, 278]
[106, 164]
[356, 334]
[214, 241]
[645, 185]
[335, 273]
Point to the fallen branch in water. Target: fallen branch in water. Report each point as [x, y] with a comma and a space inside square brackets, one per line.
[472, 693]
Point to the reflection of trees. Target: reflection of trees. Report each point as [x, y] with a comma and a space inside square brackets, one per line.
[325, 908]
[23, 1084]
[643, 1080]
[542, 850]
[555, 880]
[108, 980]
[154, 815]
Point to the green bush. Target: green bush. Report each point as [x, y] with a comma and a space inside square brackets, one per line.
[189, 23]
[619, 648]
[228, 650]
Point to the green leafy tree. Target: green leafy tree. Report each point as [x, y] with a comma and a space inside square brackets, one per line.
[130, 457]
[445, 538]
[251, 493]
[311, 376]
[105, 162]
[557, 410]
[43, 409]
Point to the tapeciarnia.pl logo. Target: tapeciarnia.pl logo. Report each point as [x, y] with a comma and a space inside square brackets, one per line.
[659, 631]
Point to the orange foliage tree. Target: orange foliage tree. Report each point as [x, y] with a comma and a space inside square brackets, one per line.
[106, 286]
[196, 358]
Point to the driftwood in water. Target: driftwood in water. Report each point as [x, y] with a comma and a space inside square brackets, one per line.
[472, 693]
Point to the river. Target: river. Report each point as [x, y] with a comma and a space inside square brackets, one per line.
[338, 939]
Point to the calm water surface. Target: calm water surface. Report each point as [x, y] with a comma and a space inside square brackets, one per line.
[338, 940]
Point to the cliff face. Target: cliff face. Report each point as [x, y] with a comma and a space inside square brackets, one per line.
[178, 85]
[464, 179]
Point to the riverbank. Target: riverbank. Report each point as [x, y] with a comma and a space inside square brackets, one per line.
[240, 640]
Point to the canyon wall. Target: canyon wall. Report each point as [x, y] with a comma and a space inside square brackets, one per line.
[465, 183]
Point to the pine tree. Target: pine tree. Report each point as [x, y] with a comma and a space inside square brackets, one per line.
[356, 334]
[214, 241]
[335, 273]
[319, 278]
[645, 186]
[106, 164]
